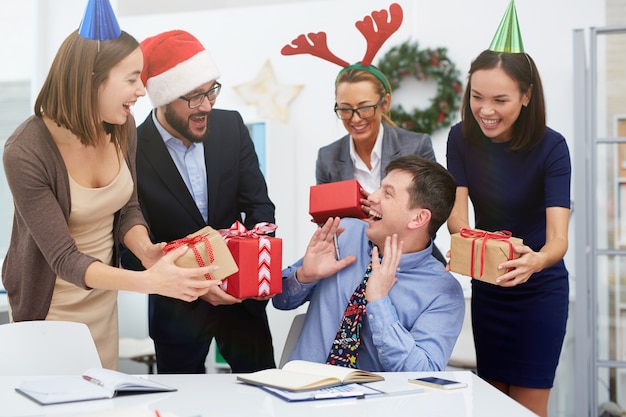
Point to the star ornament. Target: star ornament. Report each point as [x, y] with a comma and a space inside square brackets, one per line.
[271, 98]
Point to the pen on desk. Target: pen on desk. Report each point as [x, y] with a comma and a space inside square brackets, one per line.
[156, 413]
[94, 380]
[337, 254]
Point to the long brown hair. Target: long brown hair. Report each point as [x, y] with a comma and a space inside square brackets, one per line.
[356, 76]
[531, 123]
[69, 95]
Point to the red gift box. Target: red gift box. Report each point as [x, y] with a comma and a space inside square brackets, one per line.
[259, 259]
[335, 199]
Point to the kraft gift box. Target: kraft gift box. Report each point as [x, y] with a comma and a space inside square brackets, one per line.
[206, 247]
[477, 253]
[335, 199]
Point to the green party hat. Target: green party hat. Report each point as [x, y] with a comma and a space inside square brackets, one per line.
[508, 37]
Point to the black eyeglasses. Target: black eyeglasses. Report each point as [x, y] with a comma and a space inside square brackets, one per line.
[364, 112]
[196, 101]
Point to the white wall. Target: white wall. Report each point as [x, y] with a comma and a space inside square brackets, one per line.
[241, 40]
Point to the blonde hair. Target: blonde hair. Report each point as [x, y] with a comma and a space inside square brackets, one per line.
[359, 75]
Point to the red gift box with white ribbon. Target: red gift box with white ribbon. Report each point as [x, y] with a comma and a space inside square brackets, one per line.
[259, 258]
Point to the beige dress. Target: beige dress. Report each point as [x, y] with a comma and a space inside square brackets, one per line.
[91, 226]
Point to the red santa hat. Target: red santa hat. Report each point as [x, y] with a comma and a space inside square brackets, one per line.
[175, 63]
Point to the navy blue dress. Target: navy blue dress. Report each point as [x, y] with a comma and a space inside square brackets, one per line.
[518, 331]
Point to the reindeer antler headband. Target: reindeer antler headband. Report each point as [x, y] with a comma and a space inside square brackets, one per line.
[375, 35]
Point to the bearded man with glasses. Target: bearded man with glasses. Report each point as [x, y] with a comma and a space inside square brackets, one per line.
[196, 166]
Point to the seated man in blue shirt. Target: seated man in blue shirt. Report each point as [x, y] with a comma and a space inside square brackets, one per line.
[414, 308]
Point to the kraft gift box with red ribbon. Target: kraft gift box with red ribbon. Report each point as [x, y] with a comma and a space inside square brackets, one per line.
[206, 247]
[477, 253]
[335, 199]
[259, 258]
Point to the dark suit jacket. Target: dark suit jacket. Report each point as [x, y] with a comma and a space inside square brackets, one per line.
[334, 162]
[235, 185]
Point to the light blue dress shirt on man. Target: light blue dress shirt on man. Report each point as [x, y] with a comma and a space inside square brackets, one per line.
[414, 328]
[190, 164]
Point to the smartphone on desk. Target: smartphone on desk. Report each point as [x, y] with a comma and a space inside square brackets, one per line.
[441, 383]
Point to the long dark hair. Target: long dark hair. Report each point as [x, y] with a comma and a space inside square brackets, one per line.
[531, 123]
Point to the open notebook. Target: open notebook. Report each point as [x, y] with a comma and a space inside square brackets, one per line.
[94, 384]
[301, 375]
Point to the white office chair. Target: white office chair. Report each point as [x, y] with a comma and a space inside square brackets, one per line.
[138, 350]
[46, 347]
[464, 354]
[292, 338]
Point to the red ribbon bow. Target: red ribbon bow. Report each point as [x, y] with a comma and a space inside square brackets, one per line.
[239, 230]
[503, 235]
[191, 242]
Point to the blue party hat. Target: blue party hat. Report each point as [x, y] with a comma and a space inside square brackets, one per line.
[99, 22]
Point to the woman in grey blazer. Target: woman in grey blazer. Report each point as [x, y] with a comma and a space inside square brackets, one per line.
[362, 102]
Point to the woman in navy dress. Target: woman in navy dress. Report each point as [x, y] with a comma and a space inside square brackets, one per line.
[516, 171]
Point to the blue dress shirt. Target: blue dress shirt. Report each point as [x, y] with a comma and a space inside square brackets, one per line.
[191, 166]
[413, 328]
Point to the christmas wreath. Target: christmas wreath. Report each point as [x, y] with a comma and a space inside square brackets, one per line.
[408, 60]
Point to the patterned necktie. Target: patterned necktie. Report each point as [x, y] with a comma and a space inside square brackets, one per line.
[344, 351]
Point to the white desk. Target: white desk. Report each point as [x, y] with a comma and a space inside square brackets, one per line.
[213, 395]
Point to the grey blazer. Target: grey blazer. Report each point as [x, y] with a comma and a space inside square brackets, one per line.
[334, 162]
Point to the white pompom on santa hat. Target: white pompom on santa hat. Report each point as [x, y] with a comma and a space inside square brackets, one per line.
[175, 63]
